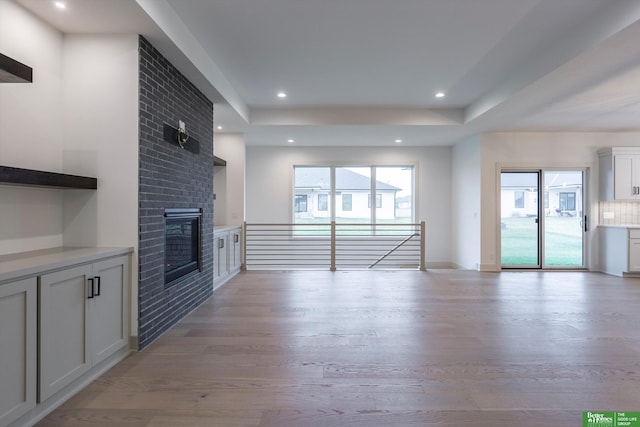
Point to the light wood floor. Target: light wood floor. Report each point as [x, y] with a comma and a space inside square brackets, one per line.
[443, 348]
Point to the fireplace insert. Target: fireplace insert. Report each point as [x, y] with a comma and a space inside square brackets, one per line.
[183, 243]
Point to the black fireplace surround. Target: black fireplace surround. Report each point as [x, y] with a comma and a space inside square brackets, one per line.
[182, 243]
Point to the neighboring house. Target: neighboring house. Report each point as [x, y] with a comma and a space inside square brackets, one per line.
[562, 196]
[404, 206]
[353, 195]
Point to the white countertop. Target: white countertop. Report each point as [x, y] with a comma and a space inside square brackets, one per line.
[31, 263]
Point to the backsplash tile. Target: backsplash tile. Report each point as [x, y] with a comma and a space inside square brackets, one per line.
[624, 213]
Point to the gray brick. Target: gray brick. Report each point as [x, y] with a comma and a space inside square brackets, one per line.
[170, 177]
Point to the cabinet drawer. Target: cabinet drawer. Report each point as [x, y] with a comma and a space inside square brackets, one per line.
[634, 233]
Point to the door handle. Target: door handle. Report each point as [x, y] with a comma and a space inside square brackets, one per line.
[586, 223]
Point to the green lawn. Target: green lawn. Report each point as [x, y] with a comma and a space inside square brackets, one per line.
[563, 241]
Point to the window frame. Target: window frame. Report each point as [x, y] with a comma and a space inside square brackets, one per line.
[567, 199]
[324, 205]
[378, 201]
[342, 202]
[517, 199]
[296, 204]
[413, 187]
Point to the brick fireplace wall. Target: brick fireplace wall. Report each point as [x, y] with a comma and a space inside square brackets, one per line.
[170, 177]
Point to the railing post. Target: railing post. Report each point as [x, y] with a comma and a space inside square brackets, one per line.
[243, 267]
[423, 263]
[333, 246]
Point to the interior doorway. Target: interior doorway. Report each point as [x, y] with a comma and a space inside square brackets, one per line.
[542, 219]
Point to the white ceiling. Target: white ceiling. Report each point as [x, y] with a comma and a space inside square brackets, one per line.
[365, 72]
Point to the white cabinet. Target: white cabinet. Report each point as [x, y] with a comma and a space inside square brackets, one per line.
[220, 258]
[82, 320]
[634, 250]
[619, 174]
[227, 257]
[18, 334]
[619, 250]
[235, 250]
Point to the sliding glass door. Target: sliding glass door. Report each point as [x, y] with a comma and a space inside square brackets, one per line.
[542, 219]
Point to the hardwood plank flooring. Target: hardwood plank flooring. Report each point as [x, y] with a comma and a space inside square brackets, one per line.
[383, 348]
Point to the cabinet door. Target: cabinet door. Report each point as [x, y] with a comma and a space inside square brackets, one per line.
[624, 179]
[108, 309]
[222, 249]
[236, 261]
[64, 350]
[18, 335]
[634, 255]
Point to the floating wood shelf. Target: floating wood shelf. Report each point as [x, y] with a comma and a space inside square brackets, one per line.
[12, 71]
[171, 136]
[34, 178]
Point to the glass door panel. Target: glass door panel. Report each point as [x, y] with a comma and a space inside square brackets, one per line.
[394, 195]
[563, 219]
[519, 223]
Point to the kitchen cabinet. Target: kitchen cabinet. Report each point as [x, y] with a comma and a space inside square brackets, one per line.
[227, 253]
[634, 250]
[619, 250]
[619, 174]
[82, 320]
[18, 335]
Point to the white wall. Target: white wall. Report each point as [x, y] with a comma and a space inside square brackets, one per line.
[79, 116]
[465, 203]
[229, 181]
[269, 180]
[540, 149]
[100, 100]
[30, 137]
[100, 131]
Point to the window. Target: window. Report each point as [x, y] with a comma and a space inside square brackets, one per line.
[301, 203]
[546, 200]
[567, 201]
[344, 193]
[378, 201]
[347, 202]
[323, 202]
[518, 197]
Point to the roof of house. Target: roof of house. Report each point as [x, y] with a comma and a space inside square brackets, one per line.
[311, 177]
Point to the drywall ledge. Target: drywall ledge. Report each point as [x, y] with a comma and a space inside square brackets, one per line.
[217, 161]
[34, 178]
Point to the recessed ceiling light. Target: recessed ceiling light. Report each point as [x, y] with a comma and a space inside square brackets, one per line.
[219, 127]
[60, 5]
[282, 95]
[291, 141]
[398, 141]
[440, 95]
